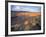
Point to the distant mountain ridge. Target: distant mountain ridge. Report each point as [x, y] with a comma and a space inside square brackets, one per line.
[24, 13]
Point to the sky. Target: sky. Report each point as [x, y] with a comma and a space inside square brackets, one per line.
[25, 8]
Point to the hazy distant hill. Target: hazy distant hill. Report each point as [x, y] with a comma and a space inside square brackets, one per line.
[24, 13]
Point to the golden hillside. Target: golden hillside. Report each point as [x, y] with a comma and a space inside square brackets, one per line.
[28, 14]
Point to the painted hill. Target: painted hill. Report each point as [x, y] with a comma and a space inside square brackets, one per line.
[20, 13]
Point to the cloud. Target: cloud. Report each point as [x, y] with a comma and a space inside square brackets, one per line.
[26, 8]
